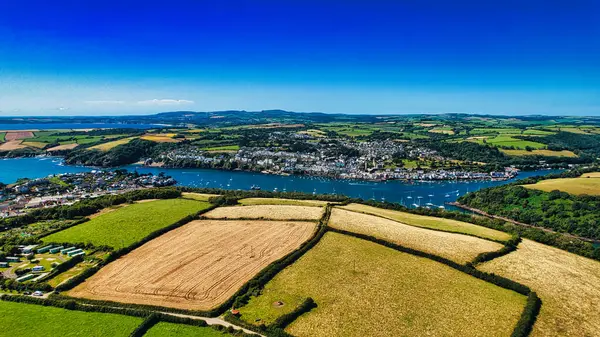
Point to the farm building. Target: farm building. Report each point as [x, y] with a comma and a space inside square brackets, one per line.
[66, 250]
[4, 265]
[44, 249]
[78, 254]
[38, 268]
[56, 249]
[13, 259]
[27, 249]
[25, 278]
[73, 252]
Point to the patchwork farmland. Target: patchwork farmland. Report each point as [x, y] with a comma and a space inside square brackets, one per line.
[364, 289]
[259, 261]
[197, 266]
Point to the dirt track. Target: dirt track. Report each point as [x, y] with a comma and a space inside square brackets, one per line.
[198, 266]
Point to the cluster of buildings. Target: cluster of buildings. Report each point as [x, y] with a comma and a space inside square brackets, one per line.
[342, 159]
[66, 189]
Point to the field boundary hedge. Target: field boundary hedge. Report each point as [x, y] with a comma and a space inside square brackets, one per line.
[509, 247]
[284, 320]
[531, 309]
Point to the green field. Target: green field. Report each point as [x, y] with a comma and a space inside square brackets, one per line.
[508, 141]
[18, 319]
[365, 289]
[2, 136]
[163, 329]
[447, 225]
[577, 186]
[222, 148]
[129, 224]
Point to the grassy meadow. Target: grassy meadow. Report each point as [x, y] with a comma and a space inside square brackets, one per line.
[19, 319]
[365, 289]
[577, 186]
[126, 225]
[164, 329]
[447, 225]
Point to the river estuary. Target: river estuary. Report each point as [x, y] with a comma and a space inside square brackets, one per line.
[411, 194]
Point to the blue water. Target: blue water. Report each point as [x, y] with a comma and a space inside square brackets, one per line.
[407, 193]
[59, 126]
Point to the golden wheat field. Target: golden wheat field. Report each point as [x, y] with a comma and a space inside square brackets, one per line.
[197, 266]
[365, 289]
[272, 212]
[455, 247]
[198, 196]
[110, 145]
[591, 175]
[448, 225]
[279, 201]
[577, 186]
[568, 284]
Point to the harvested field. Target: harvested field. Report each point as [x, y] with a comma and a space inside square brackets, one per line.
[198, 196]
[448, 225]
[63, 147]
[278, 201]
[16, 135]
[365, 289]
[568, 284]
[455, 247]
[12, 145]
[197, 266]
[20, 319]
[128, 224]
[272, 212]
[577, 186]
[591, 175]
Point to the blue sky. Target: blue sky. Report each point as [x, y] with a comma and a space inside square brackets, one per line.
[107, 57]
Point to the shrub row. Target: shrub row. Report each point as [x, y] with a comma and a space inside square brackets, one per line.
[528, 317]
[146, 325]
[269, 331]
[74, 281]
[255, 285]
[284, 320]
[509, 246]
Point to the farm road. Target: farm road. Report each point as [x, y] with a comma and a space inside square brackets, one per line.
[213, 321]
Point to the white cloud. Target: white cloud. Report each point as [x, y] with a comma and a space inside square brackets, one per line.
[104, 102]
[166, 102]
